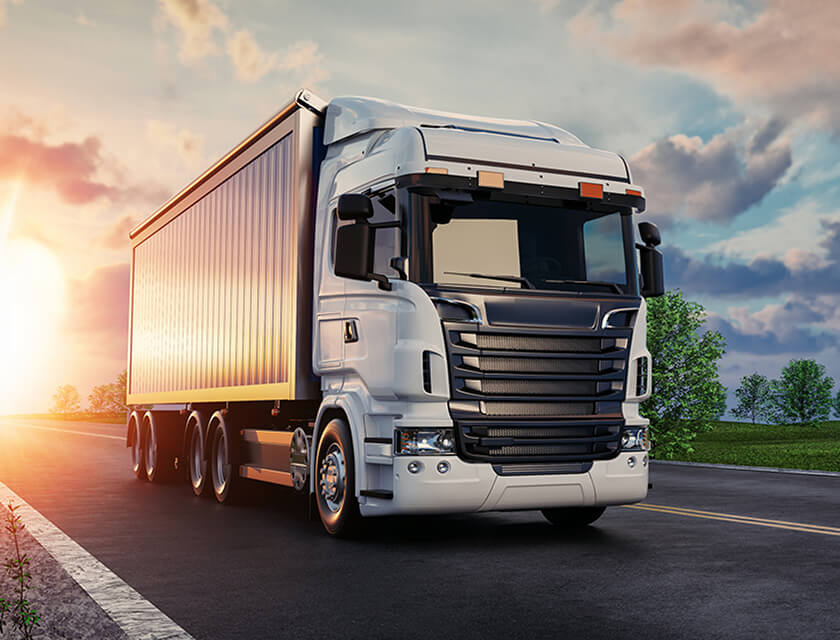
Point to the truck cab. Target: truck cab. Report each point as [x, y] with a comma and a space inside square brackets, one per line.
[479, 317]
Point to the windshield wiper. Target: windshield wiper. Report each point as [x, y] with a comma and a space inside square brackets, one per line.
[602, 283]
[487, 276]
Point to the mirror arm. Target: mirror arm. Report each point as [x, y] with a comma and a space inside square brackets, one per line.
[382, 282]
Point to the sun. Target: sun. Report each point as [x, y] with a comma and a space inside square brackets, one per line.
[32, 297]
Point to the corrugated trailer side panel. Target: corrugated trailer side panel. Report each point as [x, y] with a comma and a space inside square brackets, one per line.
[216, 285]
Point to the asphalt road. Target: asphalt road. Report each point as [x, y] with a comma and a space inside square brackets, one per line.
[262, 569]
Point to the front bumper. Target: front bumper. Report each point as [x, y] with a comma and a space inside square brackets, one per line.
[470, 487]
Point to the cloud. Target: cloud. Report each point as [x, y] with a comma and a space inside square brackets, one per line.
[197, 22]
[713, 181]
[202, 26]
[251, 62]
[97, 318]
[798, 226]
[763, 275]
[776, 56]
[776, 328]
[3, 4]
[117, 236]
[189, 145]
[71, 169]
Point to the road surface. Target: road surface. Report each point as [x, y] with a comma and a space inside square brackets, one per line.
[262, 569]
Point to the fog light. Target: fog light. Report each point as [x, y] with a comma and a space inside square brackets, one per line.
[442, 466]
[631, 462]
[415, 467]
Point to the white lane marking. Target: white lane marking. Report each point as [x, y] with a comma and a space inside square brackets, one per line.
[78, 433]
[136, 616]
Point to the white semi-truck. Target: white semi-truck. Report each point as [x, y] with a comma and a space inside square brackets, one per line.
[398, 311]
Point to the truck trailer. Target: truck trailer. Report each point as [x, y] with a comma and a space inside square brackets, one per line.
[397, 310]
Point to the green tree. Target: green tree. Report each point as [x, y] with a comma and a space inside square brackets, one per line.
[687, 394]
[837, 404]
[755, 398]
[803, 393]
[115, 395]
[66, 400]
[98, 399]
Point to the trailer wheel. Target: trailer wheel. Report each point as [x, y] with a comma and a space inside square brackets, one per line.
[134, 437]
[195, 448]
[335, 480]
[573, 517]
[155, 451]
[224, 458]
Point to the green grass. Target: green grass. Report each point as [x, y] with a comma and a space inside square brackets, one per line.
[762, 445]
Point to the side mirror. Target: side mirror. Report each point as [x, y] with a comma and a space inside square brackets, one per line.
[650, 234]
[650, 259]
[354, 246]
[354, 206]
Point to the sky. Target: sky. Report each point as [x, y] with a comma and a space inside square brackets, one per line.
[727, 112]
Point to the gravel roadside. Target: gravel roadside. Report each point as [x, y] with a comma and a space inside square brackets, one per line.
[67, 612]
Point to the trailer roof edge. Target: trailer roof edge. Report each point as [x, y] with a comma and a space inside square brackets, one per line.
[303, 99]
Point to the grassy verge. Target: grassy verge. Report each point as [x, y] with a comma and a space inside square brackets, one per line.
[761, 445]
[76, 417]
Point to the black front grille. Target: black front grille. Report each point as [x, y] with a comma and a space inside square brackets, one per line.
[535, 395]
[554, 441]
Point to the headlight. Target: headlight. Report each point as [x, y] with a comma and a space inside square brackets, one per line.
[635, 438]
[414, 442]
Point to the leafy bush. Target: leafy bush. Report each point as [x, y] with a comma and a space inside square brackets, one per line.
[687, 395]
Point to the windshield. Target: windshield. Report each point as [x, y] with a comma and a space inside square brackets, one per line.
[498, 243]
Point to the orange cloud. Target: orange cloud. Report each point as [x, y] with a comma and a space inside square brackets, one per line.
[70, 169]
[778, 57]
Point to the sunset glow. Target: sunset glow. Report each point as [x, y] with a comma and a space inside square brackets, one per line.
[32, 289]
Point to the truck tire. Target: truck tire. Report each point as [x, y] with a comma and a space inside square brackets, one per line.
[573, 517]
[335, 480]
[224, 459]
[135, 444]
[195, 455]
[157, 456]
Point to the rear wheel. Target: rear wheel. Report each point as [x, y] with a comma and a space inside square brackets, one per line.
[335, 474]
[224, 459]
[154, 448]
[196, 459]
[573, 517]
[136, 447]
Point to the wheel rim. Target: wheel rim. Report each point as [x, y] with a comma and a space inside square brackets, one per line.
[150, 450]
[136, 451]
[220, 461]
[196, 476]
[332, 478]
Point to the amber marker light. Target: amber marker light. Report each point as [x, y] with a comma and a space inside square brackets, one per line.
[491, 179]
[591, 190]
[633, 192]
[441, 170]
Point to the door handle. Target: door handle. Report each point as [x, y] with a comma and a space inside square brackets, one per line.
[351, 332]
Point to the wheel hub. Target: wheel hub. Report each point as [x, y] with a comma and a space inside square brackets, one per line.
[332, 478]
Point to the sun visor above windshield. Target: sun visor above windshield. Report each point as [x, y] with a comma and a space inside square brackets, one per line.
[491, 149]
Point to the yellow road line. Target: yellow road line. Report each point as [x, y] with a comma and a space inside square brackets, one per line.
[714, 513]
[827, 531]
[79, 433]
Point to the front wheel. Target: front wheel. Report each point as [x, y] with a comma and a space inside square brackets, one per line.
[573, 517]
[335, 480]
